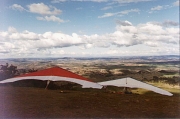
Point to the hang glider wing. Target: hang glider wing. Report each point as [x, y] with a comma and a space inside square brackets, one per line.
[132, 83]
[56, 74]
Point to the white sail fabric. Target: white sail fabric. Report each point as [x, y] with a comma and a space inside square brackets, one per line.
[84, 83]
[132, 83]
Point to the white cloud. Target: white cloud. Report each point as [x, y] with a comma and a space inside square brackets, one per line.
[41, 8]
[112, 52]
[17, 7]
[107, 7]
[49, 40]
[166, 23]
[126, 36]
[51, 18]
[121, 13]
[131, 1]
[125, 12]
[90, 0]
[88, 46]
[58, 1]
[12, 30]
[96, 40]
[49, 12]
[107, 15]
[176, 3]
[152, 44]
[157, 8]
[124, 23]
[98, 0]
[117, 1]
[120, 38]
[8, 45]
[149, 34]
[57, 52]
[13, 34]
[170, 23]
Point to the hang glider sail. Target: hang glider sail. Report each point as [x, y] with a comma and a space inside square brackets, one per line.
[56, 74]
[132, 83]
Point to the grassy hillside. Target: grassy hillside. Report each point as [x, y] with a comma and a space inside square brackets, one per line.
[24, 102]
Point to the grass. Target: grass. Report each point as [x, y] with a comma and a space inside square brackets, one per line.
[164, 85]
[171, 75]
[24, 102]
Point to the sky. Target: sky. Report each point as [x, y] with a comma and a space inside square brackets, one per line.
[88, 28]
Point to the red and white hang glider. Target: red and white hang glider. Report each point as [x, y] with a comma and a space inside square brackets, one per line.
[132, 83]
[56, 74]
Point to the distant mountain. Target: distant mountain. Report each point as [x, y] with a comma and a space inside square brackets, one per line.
[163, 57]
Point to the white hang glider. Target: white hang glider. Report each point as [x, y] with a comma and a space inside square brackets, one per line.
[56, 74]
[132, 83]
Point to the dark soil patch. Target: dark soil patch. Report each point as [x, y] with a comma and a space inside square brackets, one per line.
[29, 102]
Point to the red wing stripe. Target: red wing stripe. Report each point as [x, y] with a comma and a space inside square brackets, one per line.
[55, 71]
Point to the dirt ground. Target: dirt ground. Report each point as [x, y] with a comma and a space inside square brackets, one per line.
[29, 102]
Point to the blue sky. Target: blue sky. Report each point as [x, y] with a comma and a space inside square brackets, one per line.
[88, 28]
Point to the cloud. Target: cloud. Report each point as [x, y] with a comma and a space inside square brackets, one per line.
[49, 40]
[120, 38]
[106, 8]
[150, 35]
[13, 34]
[49, 12]
[170, 23]
[108, 15]
[98, 0]
[12, 30]
[124, 23]
[125, 12]
[96, 40]
[46, 40]
[166, 23]
[112, 52]
[117, 1]
[17, 7]
[176, 3]
[58, 52]
[157, 8]
[90, 0]
[87, 46]
[5, 47]
[50, 18]
[131, 1]
[41, 8]
[58, 1]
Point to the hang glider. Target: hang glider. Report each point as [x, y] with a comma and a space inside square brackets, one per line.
[56, 74]
[132, 83]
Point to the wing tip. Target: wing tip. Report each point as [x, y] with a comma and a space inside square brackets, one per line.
[170, 94]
